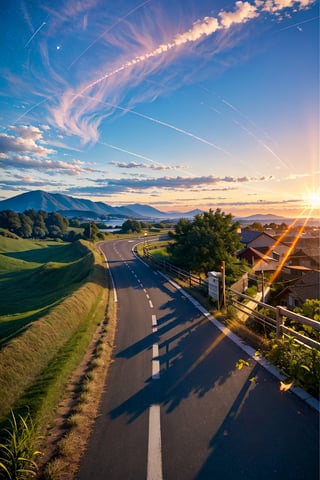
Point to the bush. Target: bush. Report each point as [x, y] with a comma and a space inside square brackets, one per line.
[301, 364]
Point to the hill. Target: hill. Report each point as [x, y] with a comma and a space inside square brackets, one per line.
[73, 207]
[56, 202]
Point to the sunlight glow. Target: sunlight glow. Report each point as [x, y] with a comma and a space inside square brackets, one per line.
[313, 199]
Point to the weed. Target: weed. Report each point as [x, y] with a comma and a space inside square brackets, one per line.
[17, 456]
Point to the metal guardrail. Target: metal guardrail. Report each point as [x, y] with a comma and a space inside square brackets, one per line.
[277, 323]
[188, 277]
[249, 308]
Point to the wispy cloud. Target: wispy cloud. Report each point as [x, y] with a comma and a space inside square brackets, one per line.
[134, 165]
[109, 186]
[77, 114]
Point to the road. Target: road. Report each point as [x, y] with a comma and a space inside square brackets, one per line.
[176, 407]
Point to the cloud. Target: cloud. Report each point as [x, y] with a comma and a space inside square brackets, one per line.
[25, 162]
[243, 13]
[25, 142]
[110, 186]
[143, 50]
[145, 165]
[23, 151]
[274, 6]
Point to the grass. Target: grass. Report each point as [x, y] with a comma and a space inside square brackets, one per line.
[36, 276]
[54, 342]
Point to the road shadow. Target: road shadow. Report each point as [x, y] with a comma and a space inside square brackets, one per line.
[191, 363]
[265, 434]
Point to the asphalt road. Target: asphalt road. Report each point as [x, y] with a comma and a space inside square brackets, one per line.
[175, 405]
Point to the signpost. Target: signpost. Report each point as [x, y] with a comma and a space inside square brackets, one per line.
[214, 286]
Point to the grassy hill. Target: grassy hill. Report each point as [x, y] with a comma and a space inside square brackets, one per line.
[52, 297]
[34, 277]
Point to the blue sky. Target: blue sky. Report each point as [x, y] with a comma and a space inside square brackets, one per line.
[179, 105]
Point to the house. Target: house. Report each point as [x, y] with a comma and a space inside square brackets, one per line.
[258, 260]
[305, 257]
[305, 287]
[262, 251]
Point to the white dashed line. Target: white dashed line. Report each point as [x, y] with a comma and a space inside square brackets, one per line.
[154, 471]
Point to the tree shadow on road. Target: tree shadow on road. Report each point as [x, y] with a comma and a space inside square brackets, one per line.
[192, 362]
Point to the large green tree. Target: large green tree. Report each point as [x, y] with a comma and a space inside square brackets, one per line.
[202, 244]
[131, 226]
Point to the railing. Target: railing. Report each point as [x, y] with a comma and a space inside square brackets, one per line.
[277, 323]
[184, 275]
[237, 299]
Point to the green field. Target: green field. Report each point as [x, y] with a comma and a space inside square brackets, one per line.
[52, 297]
[34, 277]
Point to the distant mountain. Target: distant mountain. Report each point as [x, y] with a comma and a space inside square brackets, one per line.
[80, 207]
[56, 202]
[146, 211]
[262, 218]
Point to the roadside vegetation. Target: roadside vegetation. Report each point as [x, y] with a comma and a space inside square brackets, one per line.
[199, 247]
[57, 325]
[53, 301]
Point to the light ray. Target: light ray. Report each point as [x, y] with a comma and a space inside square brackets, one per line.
[290, 250]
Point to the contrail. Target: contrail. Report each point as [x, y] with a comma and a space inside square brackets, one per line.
[34, 34]
[245, 129]
[107, 30]
[164, 124]
[130, 153]
[298, 24]
[204, 28]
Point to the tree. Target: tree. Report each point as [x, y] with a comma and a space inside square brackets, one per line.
[57, 225]
[131, 226]
[39, 226]
[91, 231]
[25, 231]
[201, 245]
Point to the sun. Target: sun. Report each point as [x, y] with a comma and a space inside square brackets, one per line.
[313, 200]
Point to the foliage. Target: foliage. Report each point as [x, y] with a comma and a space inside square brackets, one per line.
[301, 364]
[131, 226]
[310, 309]
[91, 232]
[200, 245]
[34, 224]
[17, 456]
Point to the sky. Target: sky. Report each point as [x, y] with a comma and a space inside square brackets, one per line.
[175, 104]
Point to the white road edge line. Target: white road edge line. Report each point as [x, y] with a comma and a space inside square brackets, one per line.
[115, 296]
[306, 397]
[154, 468]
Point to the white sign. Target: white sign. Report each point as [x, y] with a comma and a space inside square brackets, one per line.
[214, 285]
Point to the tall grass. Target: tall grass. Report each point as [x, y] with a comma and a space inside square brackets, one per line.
[17, 455]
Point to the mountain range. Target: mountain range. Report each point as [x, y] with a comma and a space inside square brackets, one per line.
[79, 207]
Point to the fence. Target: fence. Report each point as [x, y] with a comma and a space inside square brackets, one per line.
[184, 275]
[247, 305]
[277, 321]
